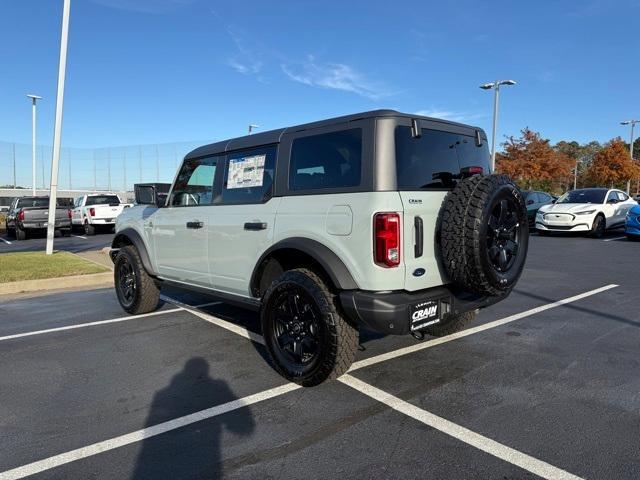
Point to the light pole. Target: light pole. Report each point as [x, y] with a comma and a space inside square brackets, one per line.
[34, 99]
[496, 93]
[252, 127]
[57, 130]
[575, 175]
[633, 124]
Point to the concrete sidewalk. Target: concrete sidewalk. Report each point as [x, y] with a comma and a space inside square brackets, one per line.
[101, 257]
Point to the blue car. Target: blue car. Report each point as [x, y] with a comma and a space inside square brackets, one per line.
[632, 223]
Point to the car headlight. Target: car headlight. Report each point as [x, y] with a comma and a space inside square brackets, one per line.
[586, 212]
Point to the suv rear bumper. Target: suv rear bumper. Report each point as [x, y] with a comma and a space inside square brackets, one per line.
[389, 312]
[60, 224]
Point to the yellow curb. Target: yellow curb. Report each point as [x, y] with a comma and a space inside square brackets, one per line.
[96, 280]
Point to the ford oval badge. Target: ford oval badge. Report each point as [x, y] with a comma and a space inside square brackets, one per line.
[418, 272]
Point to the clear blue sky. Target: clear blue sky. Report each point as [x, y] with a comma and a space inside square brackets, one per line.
[151, 71]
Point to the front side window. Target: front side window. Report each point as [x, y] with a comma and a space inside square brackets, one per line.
[434, 160]
[249, 176]
[194, 184]
[328, 160]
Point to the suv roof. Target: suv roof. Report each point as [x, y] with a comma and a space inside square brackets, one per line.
[274, 136]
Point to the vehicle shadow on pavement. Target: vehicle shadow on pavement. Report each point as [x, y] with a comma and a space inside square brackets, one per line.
[193, 451]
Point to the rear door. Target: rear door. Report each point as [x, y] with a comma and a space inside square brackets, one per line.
[427, 168]
[76, 213]
[624, 206]
[241, 223]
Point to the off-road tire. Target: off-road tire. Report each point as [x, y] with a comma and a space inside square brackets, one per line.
[599, 227]
[451, 324]
[89, 229]
[20, 234]
[147, 293]
[464, 234]
[340, 344]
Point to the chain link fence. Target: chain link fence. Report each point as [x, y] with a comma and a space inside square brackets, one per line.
[109, 168]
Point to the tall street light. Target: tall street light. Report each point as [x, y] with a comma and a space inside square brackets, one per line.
[633, 124]
[252, 127]
[34, 99]
[57, 130]
[496, 93]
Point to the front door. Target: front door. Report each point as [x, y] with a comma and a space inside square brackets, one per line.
[180, 231]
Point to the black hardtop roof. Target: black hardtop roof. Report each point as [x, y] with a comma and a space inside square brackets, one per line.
[274, 136]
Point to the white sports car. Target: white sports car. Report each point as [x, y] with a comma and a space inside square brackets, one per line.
[591, 210]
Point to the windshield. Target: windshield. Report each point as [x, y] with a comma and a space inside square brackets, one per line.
[103, 200]
[583, 196]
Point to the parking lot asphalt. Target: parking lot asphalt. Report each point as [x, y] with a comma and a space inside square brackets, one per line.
[544, 384]
[77, 242]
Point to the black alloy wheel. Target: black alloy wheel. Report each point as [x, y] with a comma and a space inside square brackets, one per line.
[126, 282]
[503, 234]
[296, 327]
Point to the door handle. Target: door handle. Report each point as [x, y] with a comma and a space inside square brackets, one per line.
[255, 226]
[195, 224]
[418, 247]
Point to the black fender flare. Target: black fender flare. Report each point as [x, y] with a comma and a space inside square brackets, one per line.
[334, 267]
[135, 239]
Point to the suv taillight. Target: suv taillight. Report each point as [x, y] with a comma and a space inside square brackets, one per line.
[386, 237]
[21, 216]
[92, 212]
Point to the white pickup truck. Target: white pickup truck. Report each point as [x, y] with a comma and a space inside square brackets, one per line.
[96, 211]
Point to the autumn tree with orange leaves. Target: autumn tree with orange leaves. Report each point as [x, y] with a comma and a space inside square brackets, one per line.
[534, 164]
[612, 166]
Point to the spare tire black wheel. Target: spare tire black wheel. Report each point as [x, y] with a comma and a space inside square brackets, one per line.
[484, 234]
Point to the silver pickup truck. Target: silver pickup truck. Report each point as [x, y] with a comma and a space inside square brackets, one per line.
[28, 214]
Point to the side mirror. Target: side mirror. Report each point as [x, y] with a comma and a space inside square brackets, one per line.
[148, 195]
[612, 201]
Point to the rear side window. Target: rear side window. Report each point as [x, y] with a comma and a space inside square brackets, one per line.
[194, 184]
[328, 160]
[248, 176]
[434, 160]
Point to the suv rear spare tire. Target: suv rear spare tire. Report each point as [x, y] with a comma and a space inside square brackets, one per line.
[308, 338]
[484, 234]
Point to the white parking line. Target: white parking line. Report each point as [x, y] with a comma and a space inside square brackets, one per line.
[614, 238]
[507, 454]
[232, 327]
[470, 331]
[112, 320]
[90, 324]
[139, 435]
[5, 241]
[79, 236]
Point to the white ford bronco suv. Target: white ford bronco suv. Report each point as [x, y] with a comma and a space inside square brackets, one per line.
[383, 220]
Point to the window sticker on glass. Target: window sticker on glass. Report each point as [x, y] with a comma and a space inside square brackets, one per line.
[246, 172]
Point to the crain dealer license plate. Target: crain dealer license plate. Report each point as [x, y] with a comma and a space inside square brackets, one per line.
[424, 314]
